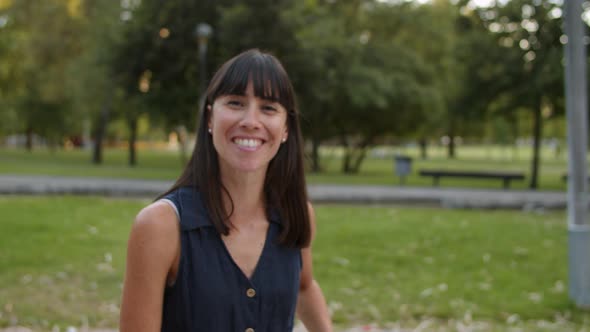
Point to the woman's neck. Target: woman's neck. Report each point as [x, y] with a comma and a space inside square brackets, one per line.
[247, 194]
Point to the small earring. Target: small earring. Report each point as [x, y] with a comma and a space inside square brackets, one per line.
[284, 139]
[209, 130]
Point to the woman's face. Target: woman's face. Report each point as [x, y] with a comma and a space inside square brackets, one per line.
[247, 131]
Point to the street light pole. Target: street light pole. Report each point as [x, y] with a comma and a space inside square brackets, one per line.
[577, 108]
[203, 31]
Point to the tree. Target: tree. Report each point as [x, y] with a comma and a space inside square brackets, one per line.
[531, 75]
[91, 82]
[42, 38]
[386, 86]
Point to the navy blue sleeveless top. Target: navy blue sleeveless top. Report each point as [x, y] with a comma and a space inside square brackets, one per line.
[212, 294]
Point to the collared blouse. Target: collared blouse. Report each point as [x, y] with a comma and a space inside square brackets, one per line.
[212, 294]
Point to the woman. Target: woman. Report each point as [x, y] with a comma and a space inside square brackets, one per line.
[242, 261]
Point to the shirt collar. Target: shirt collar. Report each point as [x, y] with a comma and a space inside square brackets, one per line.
[193, 213]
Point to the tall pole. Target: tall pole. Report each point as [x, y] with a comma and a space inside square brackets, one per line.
[203, 31]
[577, 107]
[203, 64]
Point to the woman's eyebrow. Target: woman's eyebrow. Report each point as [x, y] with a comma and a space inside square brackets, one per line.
[234, 95]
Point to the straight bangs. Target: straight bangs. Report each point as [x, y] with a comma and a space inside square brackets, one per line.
[268, 77]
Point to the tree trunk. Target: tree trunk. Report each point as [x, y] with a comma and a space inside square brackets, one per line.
[315, 155]
[29, 141]
[132, 139]
[357, 162]
[423, 148]
[346, 157]
[515, 155]
[452, 147]
[353, 154]
[536, 145]
[101, 129]
[346, 161]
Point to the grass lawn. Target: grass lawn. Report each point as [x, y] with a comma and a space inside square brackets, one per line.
[62, 262]
[376, 169]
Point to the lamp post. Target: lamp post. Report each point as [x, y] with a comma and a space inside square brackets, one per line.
[202, 32]
[577, 117]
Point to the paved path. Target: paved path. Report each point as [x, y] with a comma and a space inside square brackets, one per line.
[446, 197]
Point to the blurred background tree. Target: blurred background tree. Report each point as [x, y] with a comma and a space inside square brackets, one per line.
[366, 71]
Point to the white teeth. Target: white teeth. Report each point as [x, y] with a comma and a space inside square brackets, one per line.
[251, 143]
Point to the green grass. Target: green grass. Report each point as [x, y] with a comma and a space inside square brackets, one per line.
[62, 262]
[377, 168]
[162, 165]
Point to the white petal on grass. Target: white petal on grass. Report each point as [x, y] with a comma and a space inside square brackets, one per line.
[45, 280]
[486, 258]
[428, 260]
[467, 317]
[92, 230]
[347, 291]
[374, 311]
[108, 257]
[512, 319]
[71, 329]
[520, 251]
[27, 278]
[427, 292]
[455, 303]
[423, 326]
[535, 297]
[109, 307]
[485, 286]
[340, 261]
[334, 306]
[104, 267]
[443, 287]
[559, 287]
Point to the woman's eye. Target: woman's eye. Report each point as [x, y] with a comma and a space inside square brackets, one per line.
[234, 103]
[269, 108]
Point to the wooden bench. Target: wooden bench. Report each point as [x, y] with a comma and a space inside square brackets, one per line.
[505, 176]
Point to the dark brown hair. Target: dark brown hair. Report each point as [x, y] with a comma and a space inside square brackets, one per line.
[284, 186]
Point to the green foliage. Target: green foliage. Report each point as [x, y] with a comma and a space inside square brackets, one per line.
[364, 75]
[366, 71]
[40, 38]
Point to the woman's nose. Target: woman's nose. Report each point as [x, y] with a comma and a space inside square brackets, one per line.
[251, 116]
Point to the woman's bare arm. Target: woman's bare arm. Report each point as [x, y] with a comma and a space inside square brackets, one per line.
[311, 304]
[152, 250]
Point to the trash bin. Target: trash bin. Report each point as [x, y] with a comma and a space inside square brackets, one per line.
[403, 167]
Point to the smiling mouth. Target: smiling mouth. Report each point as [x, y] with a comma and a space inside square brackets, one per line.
[248, 142]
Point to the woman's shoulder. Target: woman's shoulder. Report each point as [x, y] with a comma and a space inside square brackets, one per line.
[157, 223]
